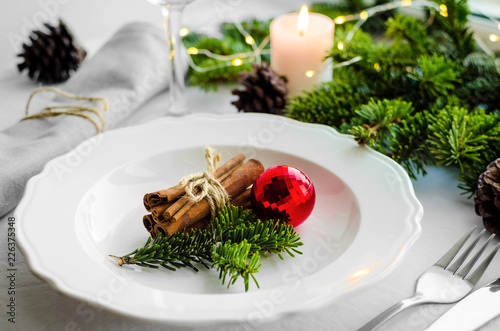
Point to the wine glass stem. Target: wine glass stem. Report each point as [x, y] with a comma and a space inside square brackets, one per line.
[172, 15]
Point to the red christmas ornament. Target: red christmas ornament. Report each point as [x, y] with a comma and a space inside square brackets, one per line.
[285, 193]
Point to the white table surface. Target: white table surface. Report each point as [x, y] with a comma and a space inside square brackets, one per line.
[448, 214]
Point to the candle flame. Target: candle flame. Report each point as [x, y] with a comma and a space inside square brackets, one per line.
[303, 20]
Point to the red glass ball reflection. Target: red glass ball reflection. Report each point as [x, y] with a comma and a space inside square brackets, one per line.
[285, 193]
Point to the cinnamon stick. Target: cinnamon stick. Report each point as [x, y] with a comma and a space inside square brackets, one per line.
[148, 222]
[162, 197]
[201, 224]
[157, 211]
[242, 200]
[187, 204]
[236, 183]
[220, 174]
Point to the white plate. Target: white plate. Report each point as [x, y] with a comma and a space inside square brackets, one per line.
[88, 204]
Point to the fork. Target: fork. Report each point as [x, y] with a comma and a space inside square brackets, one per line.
[443, 283]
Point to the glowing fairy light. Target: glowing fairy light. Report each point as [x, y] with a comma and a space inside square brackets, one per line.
[237, 62]
[444, 10]
[249, 40]
[340, 19]
[183, 32]
[192, 50]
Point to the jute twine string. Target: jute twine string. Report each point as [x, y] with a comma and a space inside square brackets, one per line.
[75, 110]
[209, 187]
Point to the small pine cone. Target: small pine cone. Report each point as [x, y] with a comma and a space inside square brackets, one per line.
[487, 197]
[53, 55]
[265, 91]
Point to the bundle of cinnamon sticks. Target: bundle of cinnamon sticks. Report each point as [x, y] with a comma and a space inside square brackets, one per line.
[172, 211]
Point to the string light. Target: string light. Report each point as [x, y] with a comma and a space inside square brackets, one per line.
[192, 50]
[310, 73]
[237, 62]
[249, 40]
[444, 10]
[257, 51]
[340, 19]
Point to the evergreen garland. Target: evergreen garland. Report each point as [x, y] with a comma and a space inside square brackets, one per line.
[431, 95]
[422, 94]
[233, 245]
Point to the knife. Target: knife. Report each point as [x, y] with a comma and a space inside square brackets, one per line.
[473, 311]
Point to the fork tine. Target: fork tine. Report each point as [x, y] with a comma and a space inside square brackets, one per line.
[448, 257]
[476, 275]
[467, 268]
[460, 260]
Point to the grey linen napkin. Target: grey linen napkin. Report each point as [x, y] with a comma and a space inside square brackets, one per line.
[130, 68]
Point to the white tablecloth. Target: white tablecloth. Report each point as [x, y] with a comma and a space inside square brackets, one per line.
[448, 214]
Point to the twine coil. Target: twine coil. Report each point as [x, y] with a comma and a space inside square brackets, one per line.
[209, 187]
[74, 110]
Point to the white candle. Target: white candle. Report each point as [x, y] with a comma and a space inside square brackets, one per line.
[299, 44]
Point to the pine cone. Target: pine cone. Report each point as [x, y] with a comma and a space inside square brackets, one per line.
[487, 197]
[265, 91]
[52, 55]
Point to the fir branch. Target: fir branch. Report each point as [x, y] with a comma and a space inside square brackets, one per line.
[380, 117]
[436, 76]
[266, 237]
[322, 104]
[384, 112]
[232, 244]
[407, 144]
[236, 260]
[173, 251]
[458, 38]
[410, 31]
[208, 80]
[456, 137]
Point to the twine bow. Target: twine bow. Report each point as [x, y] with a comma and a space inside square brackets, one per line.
[205, 182]
[74, 110]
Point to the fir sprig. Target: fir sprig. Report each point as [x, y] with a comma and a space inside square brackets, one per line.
[172, 252]
[236, 260]
[232, 244]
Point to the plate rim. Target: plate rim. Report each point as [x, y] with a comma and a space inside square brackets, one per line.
[413, 233]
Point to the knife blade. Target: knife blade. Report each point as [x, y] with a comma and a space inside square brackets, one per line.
[473, 311]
